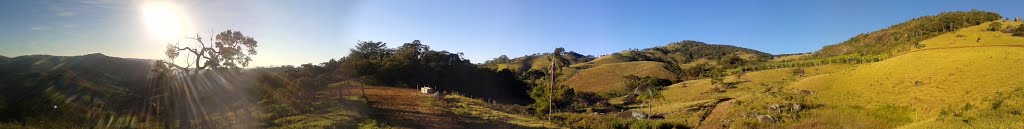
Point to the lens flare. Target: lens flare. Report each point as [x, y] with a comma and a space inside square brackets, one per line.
[164, 20]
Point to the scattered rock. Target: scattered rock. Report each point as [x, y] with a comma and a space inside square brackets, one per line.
[796, 107]
[624, 114]
[803, 92]
[775, 108]
[629, 99]
[765, 119]
[658, 116]
[639, 115]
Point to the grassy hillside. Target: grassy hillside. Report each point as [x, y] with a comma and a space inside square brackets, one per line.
[77, 91]
[979, 35]
[478, 113]
[609, 77]
[953, 70]
[535, 62]
[901, 37]
[679, 53]
[697, 102]
[953, 80]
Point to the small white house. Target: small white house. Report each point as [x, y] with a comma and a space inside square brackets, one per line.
[426, 90]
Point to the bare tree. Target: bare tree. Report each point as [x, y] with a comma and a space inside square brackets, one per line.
[229, 49]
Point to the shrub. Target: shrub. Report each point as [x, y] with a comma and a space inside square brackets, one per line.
[995, 26]
[544, 97]
[799, 72]
[1016, 31]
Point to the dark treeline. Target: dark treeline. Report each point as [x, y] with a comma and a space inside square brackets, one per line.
[688, 51]
[411, 65]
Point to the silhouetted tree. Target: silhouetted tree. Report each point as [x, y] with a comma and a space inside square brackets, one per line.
[229, 49]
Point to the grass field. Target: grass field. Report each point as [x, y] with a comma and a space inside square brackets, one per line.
[954, 81]
[609, 77]
[924, 82]
[477, 112]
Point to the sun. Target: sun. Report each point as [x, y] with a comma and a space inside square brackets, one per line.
[164, 20]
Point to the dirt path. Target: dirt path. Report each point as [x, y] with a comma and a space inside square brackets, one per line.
[407, 108]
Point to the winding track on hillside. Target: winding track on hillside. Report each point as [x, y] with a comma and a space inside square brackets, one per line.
[407, 108]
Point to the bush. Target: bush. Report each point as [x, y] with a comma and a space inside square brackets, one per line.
[1016, 31]
[544, 97]
[995, 26]
[799, 72]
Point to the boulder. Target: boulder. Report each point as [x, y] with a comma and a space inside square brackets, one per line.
[765, 119]
[795, 107]
[629, 99]
[776, 108]
[639, 115]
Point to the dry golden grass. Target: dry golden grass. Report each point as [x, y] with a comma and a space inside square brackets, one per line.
[970, 37]
[609, 77]
[689, 101]
[475, 108]
[953, 70]
[607, 59]
[924, 81]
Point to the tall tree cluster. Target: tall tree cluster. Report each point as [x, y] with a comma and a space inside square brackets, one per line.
[412, 65]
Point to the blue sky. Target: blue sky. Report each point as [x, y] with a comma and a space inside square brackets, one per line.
[313, 31]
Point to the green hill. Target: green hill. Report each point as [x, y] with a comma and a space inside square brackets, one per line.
[901, 37]
[954, 80]
[679, 53]
[533, 62]
[609, 77]
[76, 87]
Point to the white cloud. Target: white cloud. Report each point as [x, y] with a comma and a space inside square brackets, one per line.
[70, 25]
[41, 28]
[67, 14]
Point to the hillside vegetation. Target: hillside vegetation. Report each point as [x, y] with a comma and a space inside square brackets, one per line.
[951, 80]
[535, 62]
[609, 77]
[901, 37]
[680, 53]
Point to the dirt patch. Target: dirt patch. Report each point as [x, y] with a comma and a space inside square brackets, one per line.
[717, 118]
[406, 108]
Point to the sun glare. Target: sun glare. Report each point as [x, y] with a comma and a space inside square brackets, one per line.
[164, 20]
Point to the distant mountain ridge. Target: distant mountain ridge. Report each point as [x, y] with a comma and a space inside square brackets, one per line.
[35, 85]
[95, 67]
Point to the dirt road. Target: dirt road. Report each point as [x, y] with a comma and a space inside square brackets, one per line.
[407, 108]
